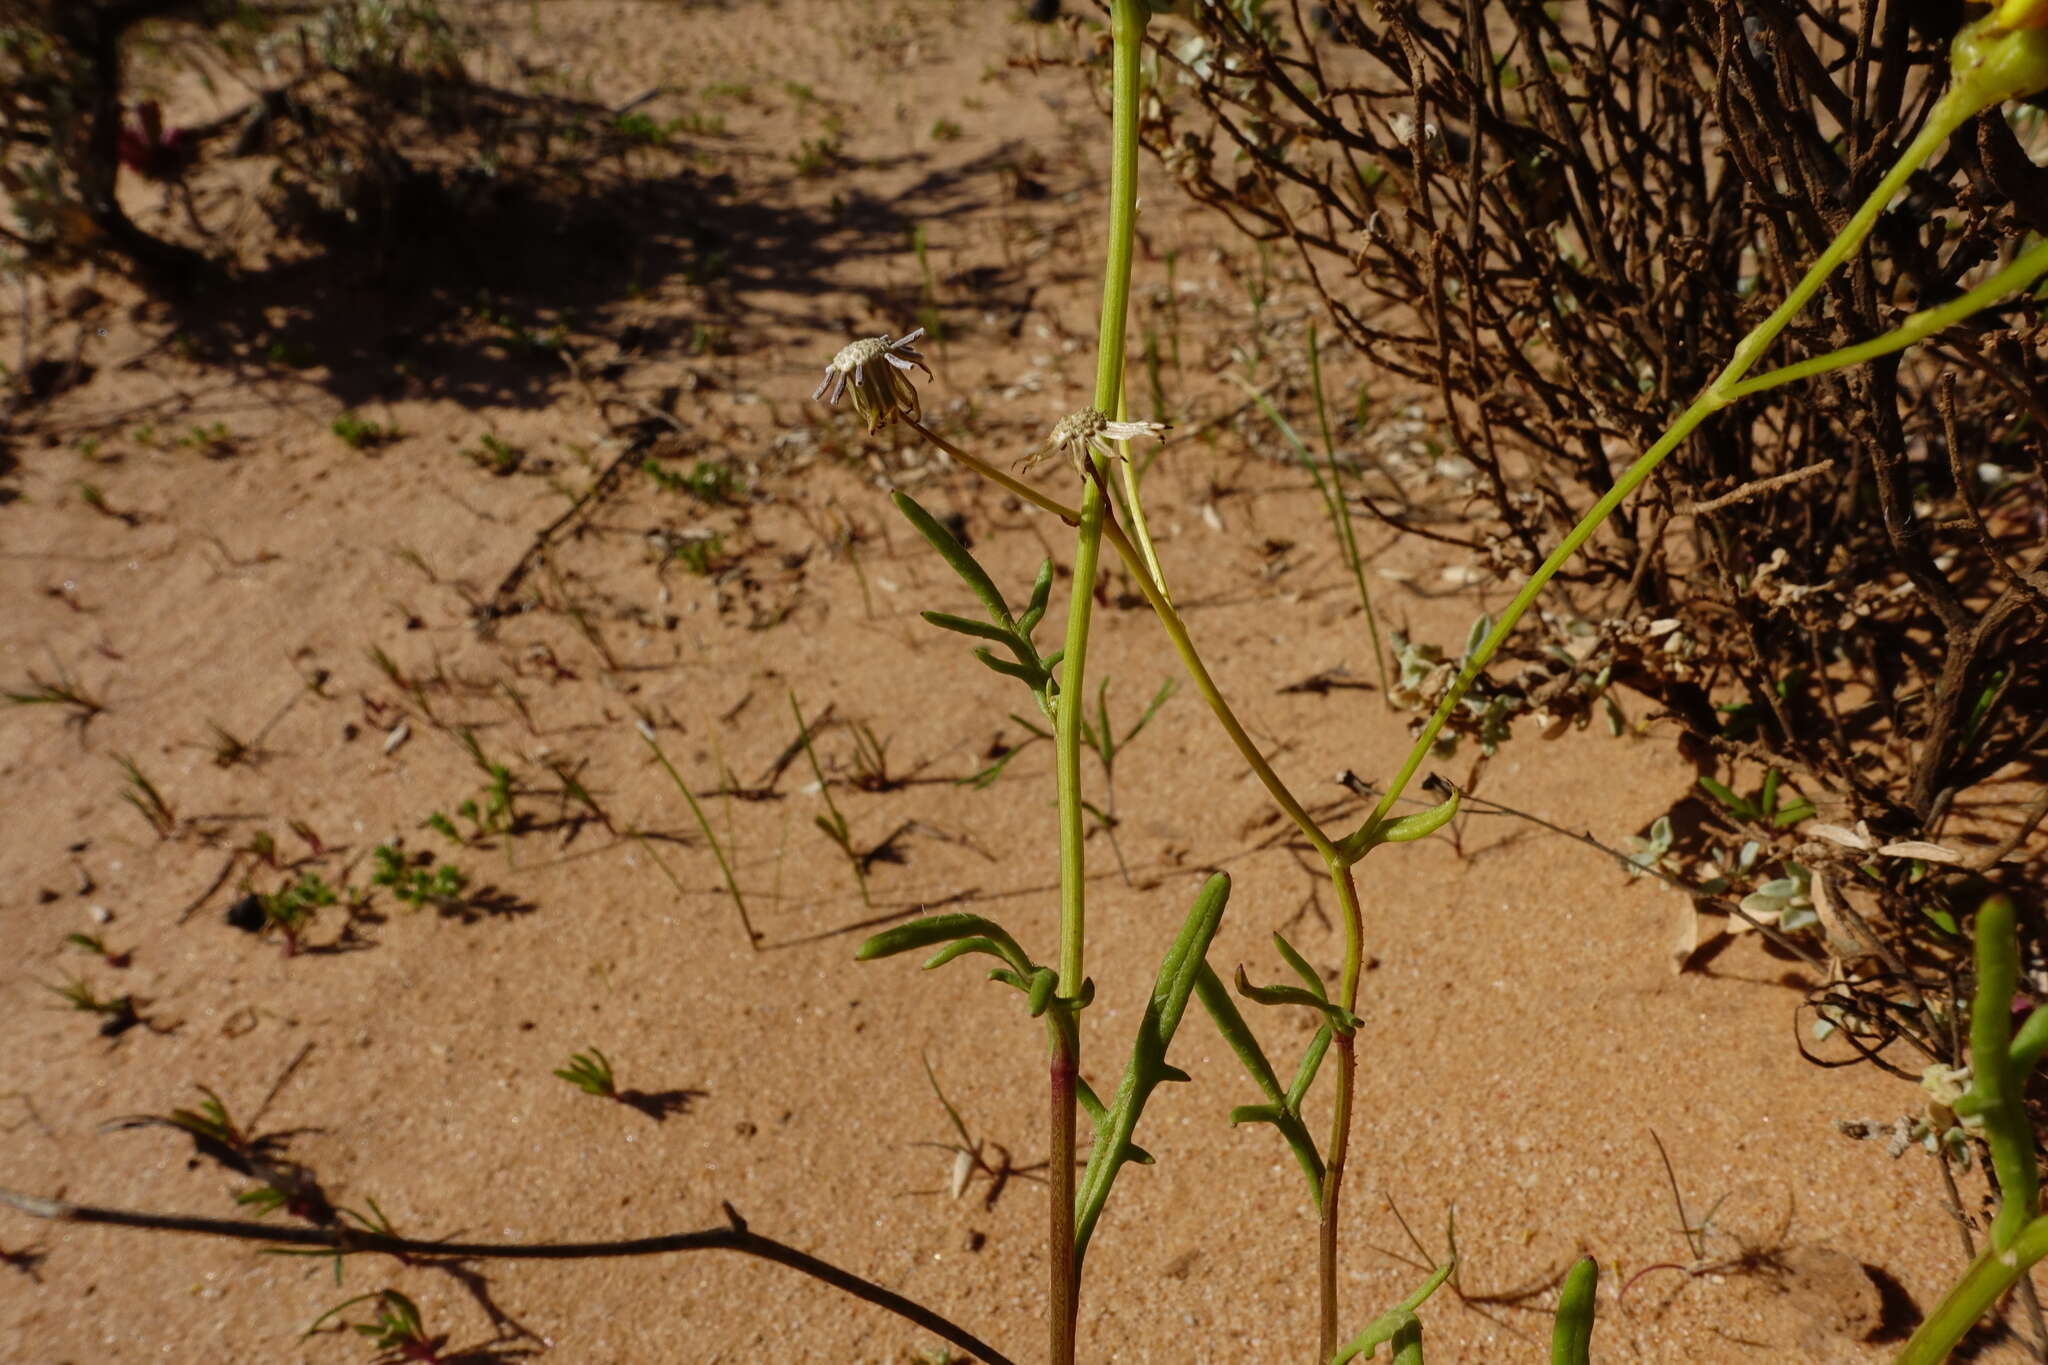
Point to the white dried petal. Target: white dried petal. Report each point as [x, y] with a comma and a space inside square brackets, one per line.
[1926, 852]
[1836, 834]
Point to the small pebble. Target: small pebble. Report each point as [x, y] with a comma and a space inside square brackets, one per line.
[245, 914]
[101, 915]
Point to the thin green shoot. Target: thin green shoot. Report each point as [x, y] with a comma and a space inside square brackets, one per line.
[397, 1329]
[358, 433]
[1334, 502]
[833, 822]
[591, 1072]
[97, 946]
[148, 802]
[65, 690]
[732, 884]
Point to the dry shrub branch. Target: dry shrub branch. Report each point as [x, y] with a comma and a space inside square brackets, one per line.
[1561, 223]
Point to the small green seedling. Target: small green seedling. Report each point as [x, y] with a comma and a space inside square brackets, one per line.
[418, 883]
[591, 1072]
[117, 1013]
[213, 1129]
[732, 884]
[97, 946]
[213, 440]
[374, 1222]
[699, 554]
[643, 129]
[64, 691]
[816, 156]
[1767, 807]
[833, 822]
[499, 457]
[95, 497]
[358, 433]
[871, 760]
[397, 1331]
[229, 748]
[291, 908]
[148, 802]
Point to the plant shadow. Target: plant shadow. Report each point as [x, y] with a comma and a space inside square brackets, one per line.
[660, 1104]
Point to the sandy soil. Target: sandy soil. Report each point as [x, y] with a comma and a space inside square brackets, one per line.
[1526, 1032]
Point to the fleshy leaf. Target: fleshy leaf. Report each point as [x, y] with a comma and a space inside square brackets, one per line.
[1384, 1327]
[955, 554]
[1341, 1019]
[1295, 960]
[1238, 1034]
[1571, 1337]
[1179, 973]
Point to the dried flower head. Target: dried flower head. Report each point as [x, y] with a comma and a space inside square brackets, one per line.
[1086, 430]
[878, 370]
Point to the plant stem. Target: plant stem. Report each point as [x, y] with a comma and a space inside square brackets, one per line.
[1183, 645]
[997, 476]
[1989, 1276]
[1067, 723]
[1127, 25]
[1340, 1120]
[1953, 109]
[1064, 1034]
[1127, 28]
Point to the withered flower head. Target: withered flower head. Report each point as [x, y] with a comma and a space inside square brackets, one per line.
[878, 371]
[1080, 432]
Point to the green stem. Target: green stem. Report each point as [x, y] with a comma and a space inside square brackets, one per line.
[1988, 1277]
[1340, 1119]
[1127, 26]
[1067, 722]
[1959, 104]
[1064, 1035]
[2031, 265]
[1183, 645]
[997, 476]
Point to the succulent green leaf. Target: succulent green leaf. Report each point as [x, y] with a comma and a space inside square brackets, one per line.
[1341, 1019]
[1009, 668]
[1571, 1337]
[1038, 994]
[975, 943]
[1422, 824]
[965, 626]
[983, 935]
[1408, 828]
[1178, 974]
[1295, 960]
[1389, 1324]
[1041, 593]
[2029, 1043]
[1238, 1034]
[955, 554]
[1091, 1104]
[1305, 1074]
